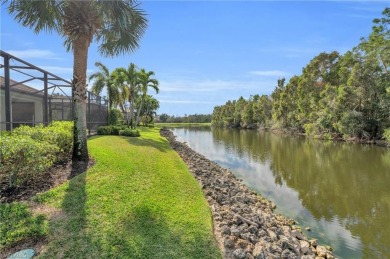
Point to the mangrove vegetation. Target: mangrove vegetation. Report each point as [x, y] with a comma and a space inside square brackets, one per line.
[336, 96]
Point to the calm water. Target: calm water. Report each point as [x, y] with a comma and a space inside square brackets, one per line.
[341, 191]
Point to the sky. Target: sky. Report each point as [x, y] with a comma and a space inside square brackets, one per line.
[205, 53]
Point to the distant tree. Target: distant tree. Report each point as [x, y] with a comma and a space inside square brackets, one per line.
[145, 81]
[164, 117]
[129, 79]
[104, 79]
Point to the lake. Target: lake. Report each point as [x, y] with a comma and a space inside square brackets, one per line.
[340, 190]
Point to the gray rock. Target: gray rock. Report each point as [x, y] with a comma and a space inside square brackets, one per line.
[228, 243]
[235, 231]
[239, 253]
[245, 236]
[258, 251]
[305, 246]
[272, 235]
[225, 230]
[261, 233]
[287, 254]
[237, 220]
[298, 234]
[252, 229]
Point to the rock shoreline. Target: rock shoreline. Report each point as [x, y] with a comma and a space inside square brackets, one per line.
[244, 223]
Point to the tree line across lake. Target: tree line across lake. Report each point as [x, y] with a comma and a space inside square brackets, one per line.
[335, 96]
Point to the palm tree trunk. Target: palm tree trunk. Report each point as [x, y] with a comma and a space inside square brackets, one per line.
[131, 114]
[138, 112]
[80, 54]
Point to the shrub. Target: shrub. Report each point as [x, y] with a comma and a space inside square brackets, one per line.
[114, 116]
[386, 134]
[311, 129]
[63, 132]
[59, 133]
[22, 157]
[116, 129]
[129, 133]
[104, 130]
[351, 124]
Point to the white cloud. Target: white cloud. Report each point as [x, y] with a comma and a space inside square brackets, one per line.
[269, 73]
[33, 53]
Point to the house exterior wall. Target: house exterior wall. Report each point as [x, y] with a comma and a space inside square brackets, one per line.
[21, 97]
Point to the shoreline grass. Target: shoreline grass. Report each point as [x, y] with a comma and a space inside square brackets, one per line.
[138, 201]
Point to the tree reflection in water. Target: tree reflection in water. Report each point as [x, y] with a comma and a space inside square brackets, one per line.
[340, 190]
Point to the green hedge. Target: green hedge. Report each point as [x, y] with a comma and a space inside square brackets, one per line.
[117, 130]
[28, 151]
[129, 133]
[21, 157]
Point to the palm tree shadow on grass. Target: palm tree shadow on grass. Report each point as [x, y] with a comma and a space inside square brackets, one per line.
[68, 237]
[161, 145]
[152, 237]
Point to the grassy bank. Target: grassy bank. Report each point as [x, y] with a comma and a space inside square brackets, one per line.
[174, 125]
[138, 201]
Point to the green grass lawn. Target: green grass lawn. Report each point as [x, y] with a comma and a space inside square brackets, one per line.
[138, 201]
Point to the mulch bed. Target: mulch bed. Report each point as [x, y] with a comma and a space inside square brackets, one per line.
[53, 177]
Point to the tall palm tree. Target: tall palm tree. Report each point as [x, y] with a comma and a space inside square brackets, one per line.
[104, 79]
[145, 81]
[116, 25]
[128, 78]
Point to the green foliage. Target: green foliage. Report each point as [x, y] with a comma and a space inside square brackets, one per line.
[351, 124]
[129, 133]
[386, 134]
[59, 133]
[28, 151]
[18, 224]
[335, 94]
[311, 129]
[117, 130]
[22, 157]
[104, 130]
[114, 116]
[190, 118]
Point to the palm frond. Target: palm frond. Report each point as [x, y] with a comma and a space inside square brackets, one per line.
[123, 27]
[38, 15]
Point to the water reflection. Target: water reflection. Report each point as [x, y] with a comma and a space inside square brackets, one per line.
[339, 190]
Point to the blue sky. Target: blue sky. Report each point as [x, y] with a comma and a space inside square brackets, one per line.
[207, 52]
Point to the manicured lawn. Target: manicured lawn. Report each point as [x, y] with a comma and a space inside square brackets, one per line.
[138, 201]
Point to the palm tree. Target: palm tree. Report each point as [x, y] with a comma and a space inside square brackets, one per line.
[116, 25]
[145, 81]
[128, 78]
[151, 105]
[105, 79]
